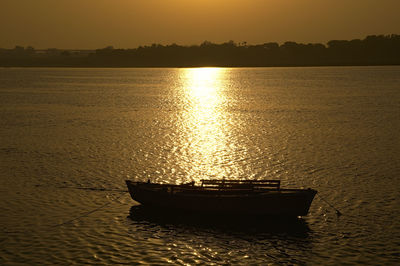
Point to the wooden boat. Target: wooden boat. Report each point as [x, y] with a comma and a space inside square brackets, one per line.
[232, 197]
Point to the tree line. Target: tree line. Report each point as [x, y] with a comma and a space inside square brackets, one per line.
[372, 50]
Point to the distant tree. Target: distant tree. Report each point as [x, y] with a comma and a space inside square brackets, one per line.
[19, 49]
[271, 45]
[206, 43]
[289, 45]
[229, 43]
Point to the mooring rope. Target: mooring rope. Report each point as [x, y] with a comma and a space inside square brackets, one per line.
[85, 188]
[94, 189]
[338, 213]
[89, 212]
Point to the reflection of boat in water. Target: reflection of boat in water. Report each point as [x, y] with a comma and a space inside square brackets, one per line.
[263, 226]
[224, 197]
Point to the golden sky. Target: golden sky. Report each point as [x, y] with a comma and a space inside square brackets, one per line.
[93, 24]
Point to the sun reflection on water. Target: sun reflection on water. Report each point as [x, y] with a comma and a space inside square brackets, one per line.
[205, 124]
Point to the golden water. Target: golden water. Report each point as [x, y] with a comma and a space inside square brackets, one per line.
[334, 129]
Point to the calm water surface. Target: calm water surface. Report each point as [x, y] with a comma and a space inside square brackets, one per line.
[70, 137]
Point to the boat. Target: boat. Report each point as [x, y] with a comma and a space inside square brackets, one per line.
[224, 197]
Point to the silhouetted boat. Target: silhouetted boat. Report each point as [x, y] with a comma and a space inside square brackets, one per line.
[226, 197]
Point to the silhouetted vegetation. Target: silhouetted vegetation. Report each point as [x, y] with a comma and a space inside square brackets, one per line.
[373, 50]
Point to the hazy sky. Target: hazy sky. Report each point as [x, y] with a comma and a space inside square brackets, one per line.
[130, 23]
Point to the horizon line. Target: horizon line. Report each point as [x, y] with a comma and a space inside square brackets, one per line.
[243, 43]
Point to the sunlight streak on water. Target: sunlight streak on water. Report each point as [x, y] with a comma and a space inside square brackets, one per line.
[204, 123]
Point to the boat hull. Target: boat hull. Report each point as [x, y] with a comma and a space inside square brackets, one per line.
[282, 202]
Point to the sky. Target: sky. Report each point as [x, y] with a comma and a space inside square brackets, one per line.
[91, 24]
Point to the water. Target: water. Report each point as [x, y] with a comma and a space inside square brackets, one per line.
[70, 137]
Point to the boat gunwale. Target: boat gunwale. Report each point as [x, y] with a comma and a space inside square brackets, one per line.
[193, 188]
